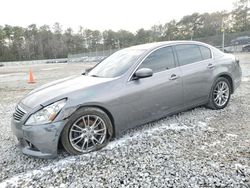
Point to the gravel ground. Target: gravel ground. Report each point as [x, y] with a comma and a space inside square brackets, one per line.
[196, 148]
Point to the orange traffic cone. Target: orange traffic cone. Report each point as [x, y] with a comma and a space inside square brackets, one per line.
[31, 79]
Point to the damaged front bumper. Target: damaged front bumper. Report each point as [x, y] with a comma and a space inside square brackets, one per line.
[38, 140]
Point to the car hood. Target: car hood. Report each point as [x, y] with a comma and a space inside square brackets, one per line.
[60, 88]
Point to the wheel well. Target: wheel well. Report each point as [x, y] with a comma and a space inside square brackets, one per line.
[230, 81]
[110, 117]
[103, 109]
[107, 112]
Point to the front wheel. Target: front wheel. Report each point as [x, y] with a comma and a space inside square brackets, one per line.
[220, 94]
[89, 129]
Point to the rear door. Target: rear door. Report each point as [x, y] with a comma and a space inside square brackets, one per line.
[196, 65]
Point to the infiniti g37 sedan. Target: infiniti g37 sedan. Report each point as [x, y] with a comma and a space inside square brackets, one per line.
[131, 87]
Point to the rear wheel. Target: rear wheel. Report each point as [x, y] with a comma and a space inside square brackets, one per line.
[220, 94]
[89, 129]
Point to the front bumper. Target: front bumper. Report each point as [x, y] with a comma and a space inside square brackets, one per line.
[39, 140]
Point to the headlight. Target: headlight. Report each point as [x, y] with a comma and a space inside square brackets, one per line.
[46, 114]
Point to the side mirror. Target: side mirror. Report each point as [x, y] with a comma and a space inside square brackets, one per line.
[143, 73]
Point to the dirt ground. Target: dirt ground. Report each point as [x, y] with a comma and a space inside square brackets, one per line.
[13, 79]
[197, 148]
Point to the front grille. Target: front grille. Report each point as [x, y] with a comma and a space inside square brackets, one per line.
[19, 113]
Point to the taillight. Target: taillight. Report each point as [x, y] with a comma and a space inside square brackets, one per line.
[237, 61]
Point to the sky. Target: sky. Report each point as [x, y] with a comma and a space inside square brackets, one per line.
[103, 14]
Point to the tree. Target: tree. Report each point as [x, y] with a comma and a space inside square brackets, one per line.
[157, 32]
[171, 31]
[241, 16]
[143, 36]
[125, 38]
[31, 40]
[58, 46]
[46, 41]
[110, 39]
[19, 43]
[2, 44]
[190, 26]
[95, 39]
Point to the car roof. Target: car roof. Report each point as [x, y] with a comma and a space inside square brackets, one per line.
[150, 46]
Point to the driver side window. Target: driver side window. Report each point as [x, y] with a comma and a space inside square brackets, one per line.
[159, 60]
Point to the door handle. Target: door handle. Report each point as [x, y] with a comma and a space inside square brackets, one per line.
[173, 77]
[210, 66]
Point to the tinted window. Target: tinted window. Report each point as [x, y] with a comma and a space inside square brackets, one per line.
[159, 60]
[205, 52]
[188, 53]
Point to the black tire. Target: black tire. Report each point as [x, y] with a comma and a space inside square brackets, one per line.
[65, 140]
[212, 104]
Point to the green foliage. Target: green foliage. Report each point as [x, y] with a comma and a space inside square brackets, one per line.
[241, 15]
[18, 43]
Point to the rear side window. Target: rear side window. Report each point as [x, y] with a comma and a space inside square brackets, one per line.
[205, 52]
[159, 60]
[188, 53]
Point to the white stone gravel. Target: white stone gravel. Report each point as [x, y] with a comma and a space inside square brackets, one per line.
[196, 148]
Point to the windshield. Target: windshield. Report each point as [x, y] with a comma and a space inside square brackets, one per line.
[116, 64]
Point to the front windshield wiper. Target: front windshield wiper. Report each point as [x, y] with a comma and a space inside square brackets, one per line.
[94, 75]
[86, 74]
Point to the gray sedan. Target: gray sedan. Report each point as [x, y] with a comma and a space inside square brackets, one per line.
[131, 87]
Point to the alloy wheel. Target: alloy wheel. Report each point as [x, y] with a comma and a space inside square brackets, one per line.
[87, 133]
[221, 93]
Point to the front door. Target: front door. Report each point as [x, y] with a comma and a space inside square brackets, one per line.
[148, 99]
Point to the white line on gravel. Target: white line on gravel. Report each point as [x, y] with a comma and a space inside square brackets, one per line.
[245, 79]
[126, 138]
[232, 135]
[116, 143]
[27, 175]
